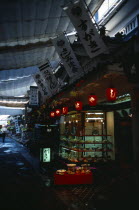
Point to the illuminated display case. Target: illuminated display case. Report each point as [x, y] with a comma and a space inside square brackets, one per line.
[84, 137]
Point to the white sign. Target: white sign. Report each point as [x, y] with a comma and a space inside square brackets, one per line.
[50, 79]
[17, 128]
[33, 96]
[68, 57]
[42, 86]
[46, 155]
[86, 29]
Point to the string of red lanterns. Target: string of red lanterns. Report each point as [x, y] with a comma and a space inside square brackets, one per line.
[111, 95]
[58, 112]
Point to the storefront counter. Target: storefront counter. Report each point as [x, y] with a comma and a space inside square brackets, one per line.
[69, 179]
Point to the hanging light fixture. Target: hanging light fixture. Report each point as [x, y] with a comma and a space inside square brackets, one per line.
[111, 94]
[64, 110]
[52, 114]
[78, 105]
[58, 112]
[92, 100]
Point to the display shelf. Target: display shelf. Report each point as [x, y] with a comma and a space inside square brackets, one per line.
[88, 139]
[75, 150]
[85, 150]
[94, 142]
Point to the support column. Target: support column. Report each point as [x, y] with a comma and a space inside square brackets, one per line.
[110, 131]
[135, 131]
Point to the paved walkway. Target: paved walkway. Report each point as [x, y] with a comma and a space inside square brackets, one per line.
[22, 186]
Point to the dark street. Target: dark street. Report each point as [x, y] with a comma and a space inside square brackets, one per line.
[21, 187]
[69, 104]
[24, 187]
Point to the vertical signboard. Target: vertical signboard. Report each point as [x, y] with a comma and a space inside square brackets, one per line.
[17, 128]
[85, 28]
[42, 86]
[33, 96]
[50, 79]
[45, 155]
[67, 57]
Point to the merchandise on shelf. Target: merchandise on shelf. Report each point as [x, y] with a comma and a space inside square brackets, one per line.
[84, 137]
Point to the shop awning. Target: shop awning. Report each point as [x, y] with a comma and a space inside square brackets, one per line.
[26, 29]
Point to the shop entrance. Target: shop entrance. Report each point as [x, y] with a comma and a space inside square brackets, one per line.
[123, 138]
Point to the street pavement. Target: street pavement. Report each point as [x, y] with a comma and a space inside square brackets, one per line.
[21, 184]
[24, 186]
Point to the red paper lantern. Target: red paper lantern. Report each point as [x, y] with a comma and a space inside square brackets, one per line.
[65, 110]
[92, 100]
[111, 94]
[58, 112]
[78, 105]
[52, 114]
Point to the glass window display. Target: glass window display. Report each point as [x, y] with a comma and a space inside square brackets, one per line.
[84, 137]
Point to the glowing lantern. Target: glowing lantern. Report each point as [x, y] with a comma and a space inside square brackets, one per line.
[78, 105]
[52, 114]
[58, 112]
[92, 100]
[111, 94]
[65, 110]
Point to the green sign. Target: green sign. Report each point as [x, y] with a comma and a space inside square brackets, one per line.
[46, 155]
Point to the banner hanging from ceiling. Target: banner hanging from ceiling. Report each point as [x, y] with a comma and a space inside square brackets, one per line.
[85, 28]
[50, 79]
[45, 92]
[33, 96]
[68, 57]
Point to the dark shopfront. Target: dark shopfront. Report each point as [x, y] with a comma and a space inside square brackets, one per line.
[47, 135]
[123, 141]
[121, 155]
[123, 137]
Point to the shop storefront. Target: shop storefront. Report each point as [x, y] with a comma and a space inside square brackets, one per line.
[86, 139]
[87, 136]
[91, 138]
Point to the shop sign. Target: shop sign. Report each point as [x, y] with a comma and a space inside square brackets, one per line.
[78, 105]
[17, 128]
[111, 94]
[45, 155]
[45, 92]
[33, 96]
[92, 100]
[68, 57]
[50, 79]
[85, 28]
